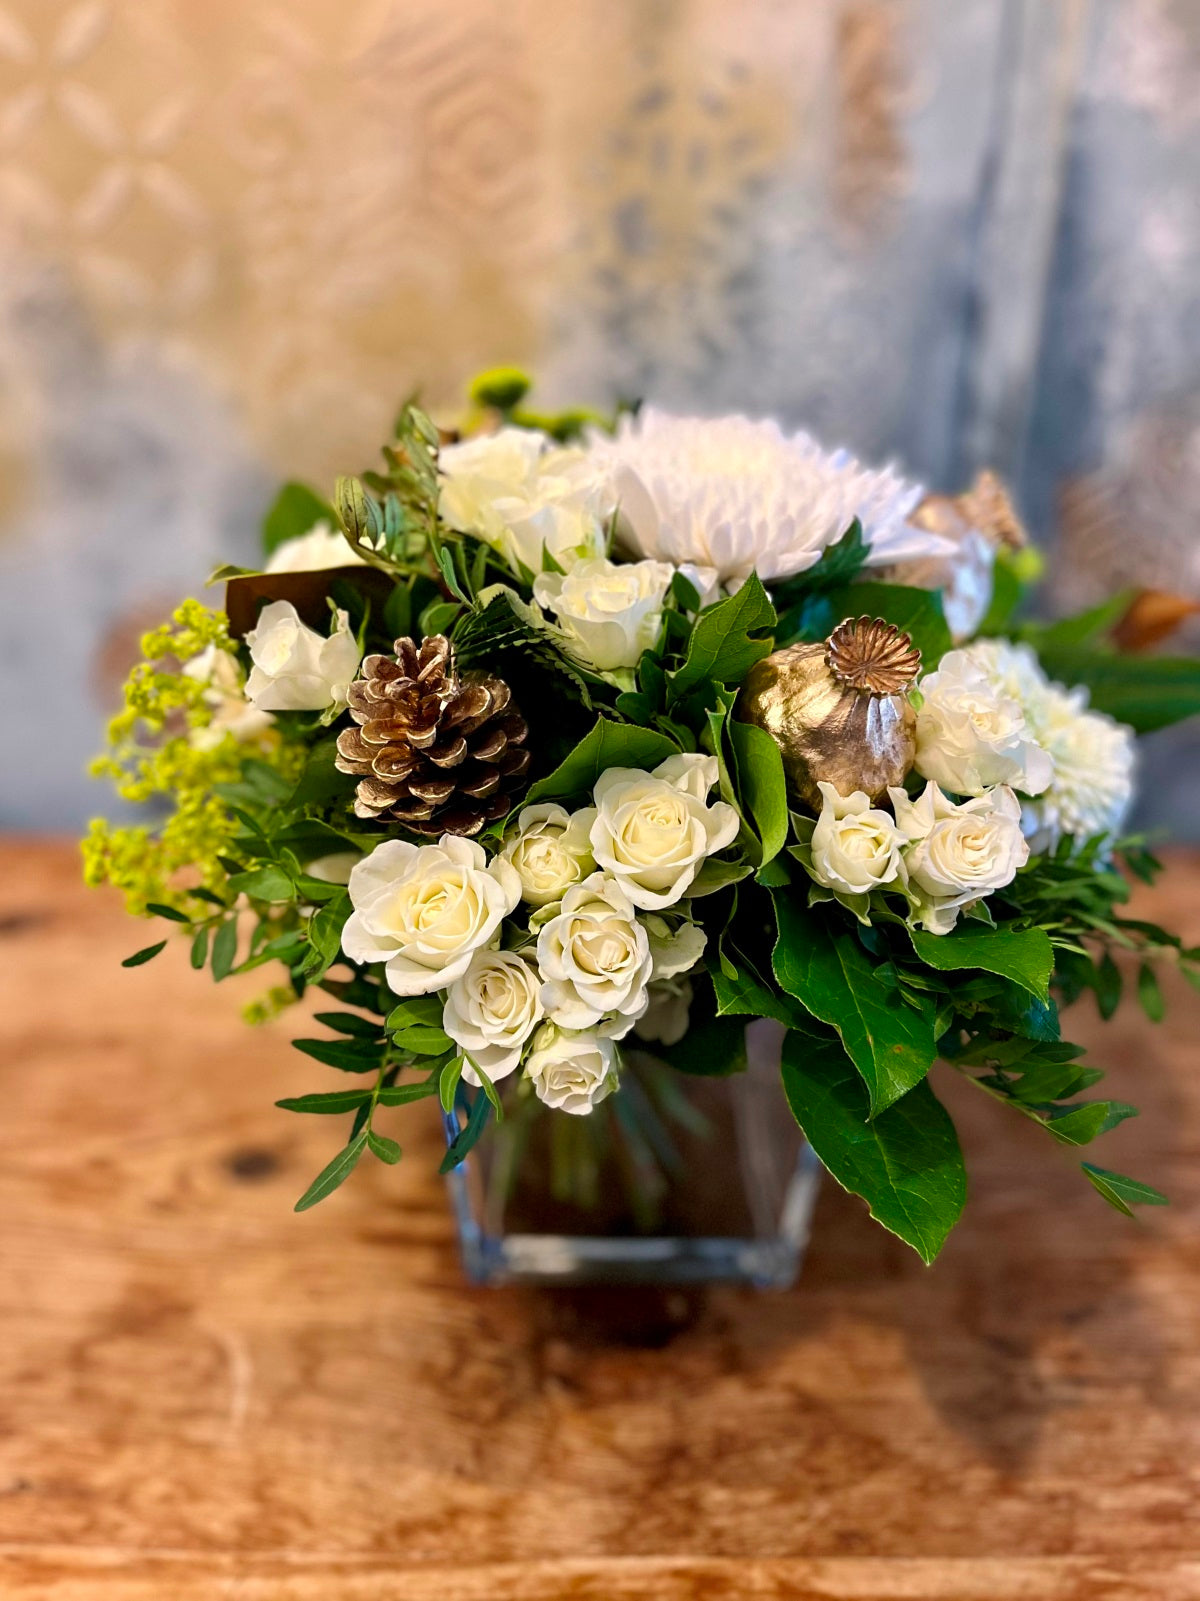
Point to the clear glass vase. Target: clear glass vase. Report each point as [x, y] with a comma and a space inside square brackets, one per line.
[673, 1180]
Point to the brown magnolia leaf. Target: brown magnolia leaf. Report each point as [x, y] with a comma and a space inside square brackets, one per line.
[308, 592]
[1152, 616]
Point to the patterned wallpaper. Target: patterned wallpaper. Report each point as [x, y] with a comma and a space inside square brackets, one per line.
[233, 233]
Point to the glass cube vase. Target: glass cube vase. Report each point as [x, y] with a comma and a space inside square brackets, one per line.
[673, 1180]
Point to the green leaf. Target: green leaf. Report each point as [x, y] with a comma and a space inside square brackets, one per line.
[338, 1171]
[466, 1138]
[1024, 956]
[420, 1011]
[742, 995]
[1147, 692]
[1007, 594]
[1121, 1192]
[199, 954]
[1108, 986]
[714, 1045]
[348, 1056]
[607, 744]
[325, 936]
[169, 912]
[761, 784]
[423, 1041]
[829, 973]
[717, 874]
[146, 954]
[839, 563]
[293, 512]
[1083, 627]
[917, 611]
[327, 1102]
[727, 640]
[224, 949]
[384, 1148]
[268, 883]
[403, 1094]
[320, 782]
[448, 1082]
[1080, 1124]
[905, 1163]
[1149, 994]
[363, 1028]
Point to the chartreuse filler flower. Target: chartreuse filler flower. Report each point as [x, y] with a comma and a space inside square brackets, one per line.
[574, 737]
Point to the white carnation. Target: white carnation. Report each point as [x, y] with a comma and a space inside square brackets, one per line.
[653, 831]
[550, 850]
[595, 960]
[741, 496]
[424, 910]
[855, 847]
[490, 1012]
[972, 733]
[571, 1071]
[296, 669]
[958, 853]
[320, 548]
[610, 612]
[525, 496]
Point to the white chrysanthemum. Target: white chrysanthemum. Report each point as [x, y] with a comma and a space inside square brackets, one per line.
[741, 496]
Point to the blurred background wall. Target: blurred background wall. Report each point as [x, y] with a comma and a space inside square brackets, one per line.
[233, 233]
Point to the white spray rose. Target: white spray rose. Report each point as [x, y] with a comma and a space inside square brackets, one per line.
[653, 831]
[595, 960]
[572, 1072]
[491, 1011]
[295, 669]
[524, 496]
[972, 735]
[316, 551]
[673, 950]
[666, 1017]
[225, 693]
[609, 611]
[551, 851]
[334, 868]
[855, 848]
[424, 910]
[958, 853]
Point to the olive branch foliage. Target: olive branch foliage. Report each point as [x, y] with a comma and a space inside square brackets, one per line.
[868, 1009]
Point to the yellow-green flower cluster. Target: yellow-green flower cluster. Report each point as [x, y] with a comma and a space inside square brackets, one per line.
[151, 756]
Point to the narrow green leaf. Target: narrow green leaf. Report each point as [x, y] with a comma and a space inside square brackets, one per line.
[1026, 957]
[224, 949]
[338, 1171]
[448, 1082]
[761, 785]
[1080, 1124]
[421, 1011]
[1121, 1192]
[363, 1028]
[422, 1041]
[1149, 994]
[146, 954]
[829, 973]
[384, 1148]
[348, 1056]
[327, 1102]
[1147, 692]
[1108, 986]
[905, 1163]
[199, 954]
[467, 1137]
[403, 1094]
[607, 744]
[169, 912]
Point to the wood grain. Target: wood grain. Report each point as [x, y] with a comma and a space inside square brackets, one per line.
[204, 1395]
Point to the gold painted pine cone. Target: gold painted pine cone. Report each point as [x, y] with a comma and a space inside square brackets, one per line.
[433, 752]
[838, 709]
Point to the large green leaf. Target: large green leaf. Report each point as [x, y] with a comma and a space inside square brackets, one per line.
[906, 1163]
[1026, 956]
[762, 788]
[828, 972]
[293, 512]
[740, 994]
[727, 640]
[1147, 692]
[607, 744]
[917, 611]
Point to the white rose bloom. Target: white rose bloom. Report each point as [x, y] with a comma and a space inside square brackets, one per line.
[609, 611]
[334, 868]
[855, 848]
[572, 1072]
[653, 831]
[972, 735]
[491, 1011]
[295, 669]
[742, 496]
[666, 1017]
[958, 853]
[551, 851]
[595, 960]
[225, 693]
[320, 548]
[673, 951]
[523, 495]
[424, 910]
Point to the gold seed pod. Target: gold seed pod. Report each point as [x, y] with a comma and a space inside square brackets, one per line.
[838, 710]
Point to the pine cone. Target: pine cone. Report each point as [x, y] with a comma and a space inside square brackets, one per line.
[433, 752]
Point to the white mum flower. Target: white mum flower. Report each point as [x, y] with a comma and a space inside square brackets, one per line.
[570, 1070]
[741, 496]
[320, 548]
[1094, 764]
[524, 495]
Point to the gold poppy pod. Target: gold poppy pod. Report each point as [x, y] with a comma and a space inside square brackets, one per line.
[838, 710]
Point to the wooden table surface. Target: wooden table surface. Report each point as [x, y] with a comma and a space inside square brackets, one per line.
[203, 1395]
